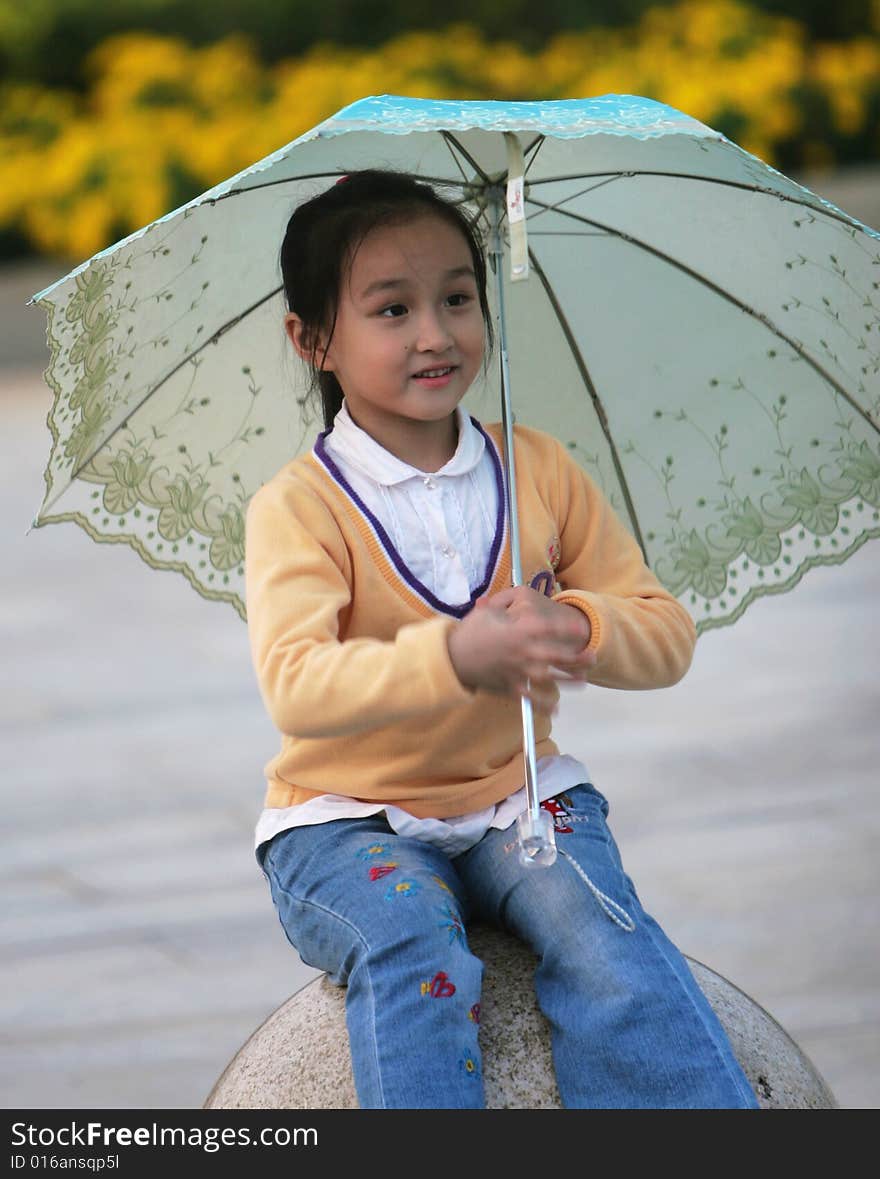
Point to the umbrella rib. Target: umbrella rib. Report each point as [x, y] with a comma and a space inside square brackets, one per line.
[594, 395]
[564, 233]
[451, 142]
[246, 189]
[545, 208]
[532, 150]
[336, 172]
[231, 323]
[707, 282]
[455, 159]
[629, 173]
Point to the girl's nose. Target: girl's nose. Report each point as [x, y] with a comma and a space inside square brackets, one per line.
[433, 334]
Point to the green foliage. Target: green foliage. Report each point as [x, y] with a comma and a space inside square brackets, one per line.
[827, 22]
[47, 40]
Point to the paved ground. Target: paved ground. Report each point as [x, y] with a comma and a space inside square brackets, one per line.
[139, 946]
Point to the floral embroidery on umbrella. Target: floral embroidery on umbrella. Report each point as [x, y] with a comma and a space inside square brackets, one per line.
[452, 922]
[474, 1013]
[470, 1066]
[441, 883]
[227, 549]
[403, 888]
[440, 986]
[129, 469]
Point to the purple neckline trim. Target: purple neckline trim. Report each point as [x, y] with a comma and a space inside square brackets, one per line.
[457, 611]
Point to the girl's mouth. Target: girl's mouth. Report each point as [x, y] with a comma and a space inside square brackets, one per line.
[435, 376]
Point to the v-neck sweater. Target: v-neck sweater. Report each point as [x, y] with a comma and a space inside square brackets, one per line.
[350, 649]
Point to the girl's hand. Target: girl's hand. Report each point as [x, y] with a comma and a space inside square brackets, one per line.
[521, 643]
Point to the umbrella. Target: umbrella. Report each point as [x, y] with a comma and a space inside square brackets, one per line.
[701, 332]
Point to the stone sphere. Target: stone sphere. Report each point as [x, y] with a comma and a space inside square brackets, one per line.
[299, 1057]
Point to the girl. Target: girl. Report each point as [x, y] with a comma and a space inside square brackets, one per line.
[391, 653]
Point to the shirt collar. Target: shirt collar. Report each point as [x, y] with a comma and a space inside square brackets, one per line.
[355, 446]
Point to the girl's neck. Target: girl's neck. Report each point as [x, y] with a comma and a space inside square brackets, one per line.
[427, 446]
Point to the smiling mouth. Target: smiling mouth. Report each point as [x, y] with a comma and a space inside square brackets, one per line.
[435, 372]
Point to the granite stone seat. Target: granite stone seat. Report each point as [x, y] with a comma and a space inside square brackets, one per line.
[299, 1057]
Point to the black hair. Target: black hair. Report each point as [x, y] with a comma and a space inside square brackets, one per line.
[324, 233]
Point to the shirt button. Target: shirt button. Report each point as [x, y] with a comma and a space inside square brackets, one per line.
[429, 483]
[447, 550]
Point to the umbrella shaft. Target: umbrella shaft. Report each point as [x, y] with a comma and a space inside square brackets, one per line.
[528, 721]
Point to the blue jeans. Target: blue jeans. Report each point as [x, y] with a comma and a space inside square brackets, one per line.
[386, 916]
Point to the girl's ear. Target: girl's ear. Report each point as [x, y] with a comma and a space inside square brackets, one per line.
[296, 333]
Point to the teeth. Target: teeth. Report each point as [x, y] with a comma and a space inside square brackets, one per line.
[435, 372]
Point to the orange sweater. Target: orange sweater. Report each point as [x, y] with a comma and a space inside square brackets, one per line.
[351, 652]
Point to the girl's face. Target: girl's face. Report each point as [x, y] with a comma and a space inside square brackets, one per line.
[408, 340]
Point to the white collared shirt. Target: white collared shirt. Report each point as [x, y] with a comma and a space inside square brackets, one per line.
[442, 524]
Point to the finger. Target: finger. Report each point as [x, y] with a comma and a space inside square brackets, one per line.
[543, 694]
[534, 673]
[502, 599]
[556, 652]
[527, 600]
[570, 679]
[540, 663]
[580, 661]
[543, 619]
[573, 670]
[574, 627]
[543, 681]
[544, 700]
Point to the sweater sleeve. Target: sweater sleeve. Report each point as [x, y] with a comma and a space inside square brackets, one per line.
[642, 635]
[313, 683]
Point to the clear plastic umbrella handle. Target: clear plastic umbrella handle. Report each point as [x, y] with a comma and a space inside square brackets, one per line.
[535, 831]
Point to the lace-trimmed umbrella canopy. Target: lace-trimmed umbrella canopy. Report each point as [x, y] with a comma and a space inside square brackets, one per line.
[701, 332]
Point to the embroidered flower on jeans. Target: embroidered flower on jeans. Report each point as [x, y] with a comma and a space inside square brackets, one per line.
[440, 986]
[380, 870]
[374, 849]
[452, 922]
[403, 888]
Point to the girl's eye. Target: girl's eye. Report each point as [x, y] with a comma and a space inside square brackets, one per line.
[393, 311]
[459, 299]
